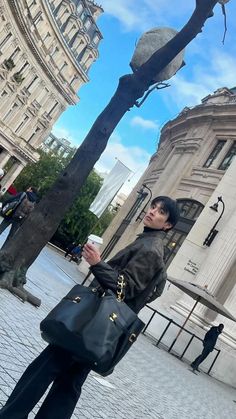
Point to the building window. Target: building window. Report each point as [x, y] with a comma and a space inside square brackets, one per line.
[96, 39]
[83, 16]
[172, 242]
[87, 23]
[189, 212]
[33, 134]
[4, 41]
[38, 17]
[52, 109]
[228, 158]
[189, 208]
[79, 8]
[14, 54]
[29, 87]
[216, 150]
[22, 124]
[13, 108]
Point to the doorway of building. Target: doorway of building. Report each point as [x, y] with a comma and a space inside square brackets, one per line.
[189, 212]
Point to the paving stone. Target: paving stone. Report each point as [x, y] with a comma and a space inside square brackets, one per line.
[148, 383]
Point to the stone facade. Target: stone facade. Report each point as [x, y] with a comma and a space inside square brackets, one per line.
[194, 164]
[46, 50]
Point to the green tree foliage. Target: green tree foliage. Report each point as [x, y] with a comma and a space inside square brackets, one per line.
[42, 174]
[78, 221]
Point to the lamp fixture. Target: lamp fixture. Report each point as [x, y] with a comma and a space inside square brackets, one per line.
[213, 232]
[143, 195]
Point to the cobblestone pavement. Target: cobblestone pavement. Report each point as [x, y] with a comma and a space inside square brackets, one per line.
[148, 383]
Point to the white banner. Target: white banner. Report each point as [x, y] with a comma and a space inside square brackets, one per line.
[110, 187]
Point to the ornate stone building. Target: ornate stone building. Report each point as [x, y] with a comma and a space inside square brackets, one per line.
[46, 50]
[193, 165]
[59, 146]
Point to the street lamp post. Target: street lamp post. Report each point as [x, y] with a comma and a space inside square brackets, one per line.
[144, 194]
[213, 232]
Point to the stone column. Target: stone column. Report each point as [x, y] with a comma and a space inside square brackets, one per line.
[215, 262]
[4, 157]
[11, 175]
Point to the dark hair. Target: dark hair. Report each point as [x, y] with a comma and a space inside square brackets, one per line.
[169, 206]
[34, 189]
[32, 195]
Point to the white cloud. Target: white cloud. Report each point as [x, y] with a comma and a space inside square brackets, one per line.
[204, 80]
[144, 14]
[61, 132]
[138, 121]
[129, 12]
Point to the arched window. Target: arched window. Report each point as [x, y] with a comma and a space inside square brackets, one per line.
[189, 212]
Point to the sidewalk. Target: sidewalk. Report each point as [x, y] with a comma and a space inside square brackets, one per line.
[148, 383]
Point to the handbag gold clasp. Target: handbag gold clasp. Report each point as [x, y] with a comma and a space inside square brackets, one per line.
[113, 317]
[132, 337]
[76, 299]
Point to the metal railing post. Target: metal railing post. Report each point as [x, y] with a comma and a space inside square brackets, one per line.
[160, 338]
[149, 321]
[187, 346]
[208, 372]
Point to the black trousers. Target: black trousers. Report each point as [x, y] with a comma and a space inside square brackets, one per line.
[52, 365]
[200, 358]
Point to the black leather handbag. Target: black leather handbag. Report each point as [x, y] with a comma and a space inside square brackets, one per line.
[97, 329]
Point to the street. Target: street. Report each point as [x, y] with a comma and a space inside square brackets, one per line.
[148, 383]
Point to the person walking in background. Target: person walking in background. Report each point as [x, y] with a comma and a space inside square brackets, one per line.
[69, 248]
[208, 345]
[76, 253]
[142, 266]
[23, 203]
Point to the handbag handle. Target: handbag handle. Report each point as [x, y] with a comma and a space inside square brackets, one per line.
[121, 284]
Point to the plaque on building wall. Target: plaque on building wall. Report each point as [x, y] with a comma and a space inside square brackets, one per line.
[191, 267]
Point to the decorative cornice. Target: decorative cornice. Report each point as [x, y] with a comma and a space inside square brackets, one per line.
[202, 112]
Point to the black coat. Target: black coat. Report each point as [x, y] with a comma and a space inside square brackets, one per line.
[211, 337]
[143, 268]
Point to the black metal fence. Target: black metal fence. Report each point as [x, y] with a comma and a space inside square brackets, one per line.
[173, 322]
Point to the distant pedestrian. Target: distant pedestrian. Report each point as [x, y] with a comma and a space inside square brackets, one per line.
[208, 345]
[24, 203]
[12, 190]
[76, 253]
[69, 248]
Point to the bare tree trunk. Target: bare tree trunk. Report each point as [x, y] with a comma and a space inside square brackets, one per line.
[20, 253]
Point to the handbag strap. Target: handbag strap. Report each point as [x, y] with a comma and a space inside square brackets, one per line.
[120, 291]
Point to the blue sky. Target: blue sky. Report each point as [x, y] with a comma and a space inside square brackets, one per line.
[209, 65]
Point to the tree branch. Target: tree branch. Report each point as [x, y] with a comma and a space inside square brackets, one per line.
[43, 221]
